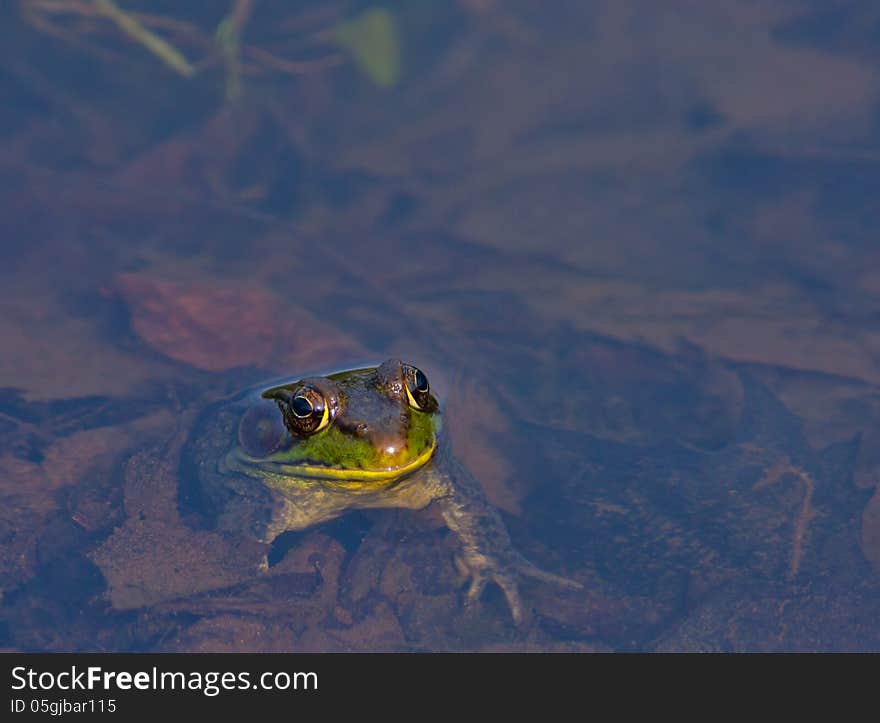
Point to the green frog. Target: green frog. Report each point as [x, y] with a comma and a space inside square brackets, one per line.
[301, 453]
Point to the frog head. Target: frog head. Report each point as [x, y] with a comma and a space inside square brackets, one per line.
[359, 428]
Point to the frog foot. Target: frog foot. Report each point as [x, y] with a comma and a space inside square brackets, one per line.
[482, 569]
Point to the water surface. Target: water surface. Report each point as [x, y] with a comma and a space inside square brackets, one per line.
[633, 247]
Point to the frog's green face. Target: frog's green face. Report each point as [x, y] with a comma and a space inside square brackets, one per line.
[358, 427]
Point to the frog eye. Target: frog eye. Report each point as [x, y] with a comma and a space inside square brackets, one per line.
[261, 432]
[420, 381]
[301, 406]
[304, 409]
[418, 392]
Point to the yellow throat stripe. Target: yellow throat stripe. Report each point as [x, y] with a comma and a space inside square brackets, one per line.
[351, 477]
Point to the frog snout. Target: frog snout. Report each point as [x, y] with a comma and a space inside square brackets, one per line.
[388, 443]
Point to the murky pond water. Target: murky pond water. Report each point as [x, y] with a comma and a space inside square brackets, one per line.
[633, 247]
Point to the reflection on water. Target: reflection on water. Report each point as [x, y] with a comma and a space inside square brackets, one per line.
[632, 249]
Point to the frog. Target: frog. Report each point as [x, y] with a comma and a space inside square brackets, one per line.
[295, 454]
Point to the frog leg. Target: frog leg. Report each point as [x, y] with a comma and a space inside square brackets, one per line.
[487, 553]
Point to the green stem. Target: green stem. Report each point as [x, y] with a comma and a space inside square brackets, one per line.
[152, 42]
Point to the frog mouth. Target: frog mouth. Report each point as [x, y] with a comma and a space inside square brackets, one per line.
[238, 461]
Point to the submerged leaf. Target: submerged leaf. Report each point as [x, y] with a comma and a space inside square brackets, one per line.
[216, 326]
[372, 40]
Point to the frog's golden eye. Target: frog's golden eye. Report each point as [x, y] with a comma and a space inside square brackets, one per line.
[304, 409]
[261, 432]
[418, 392]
